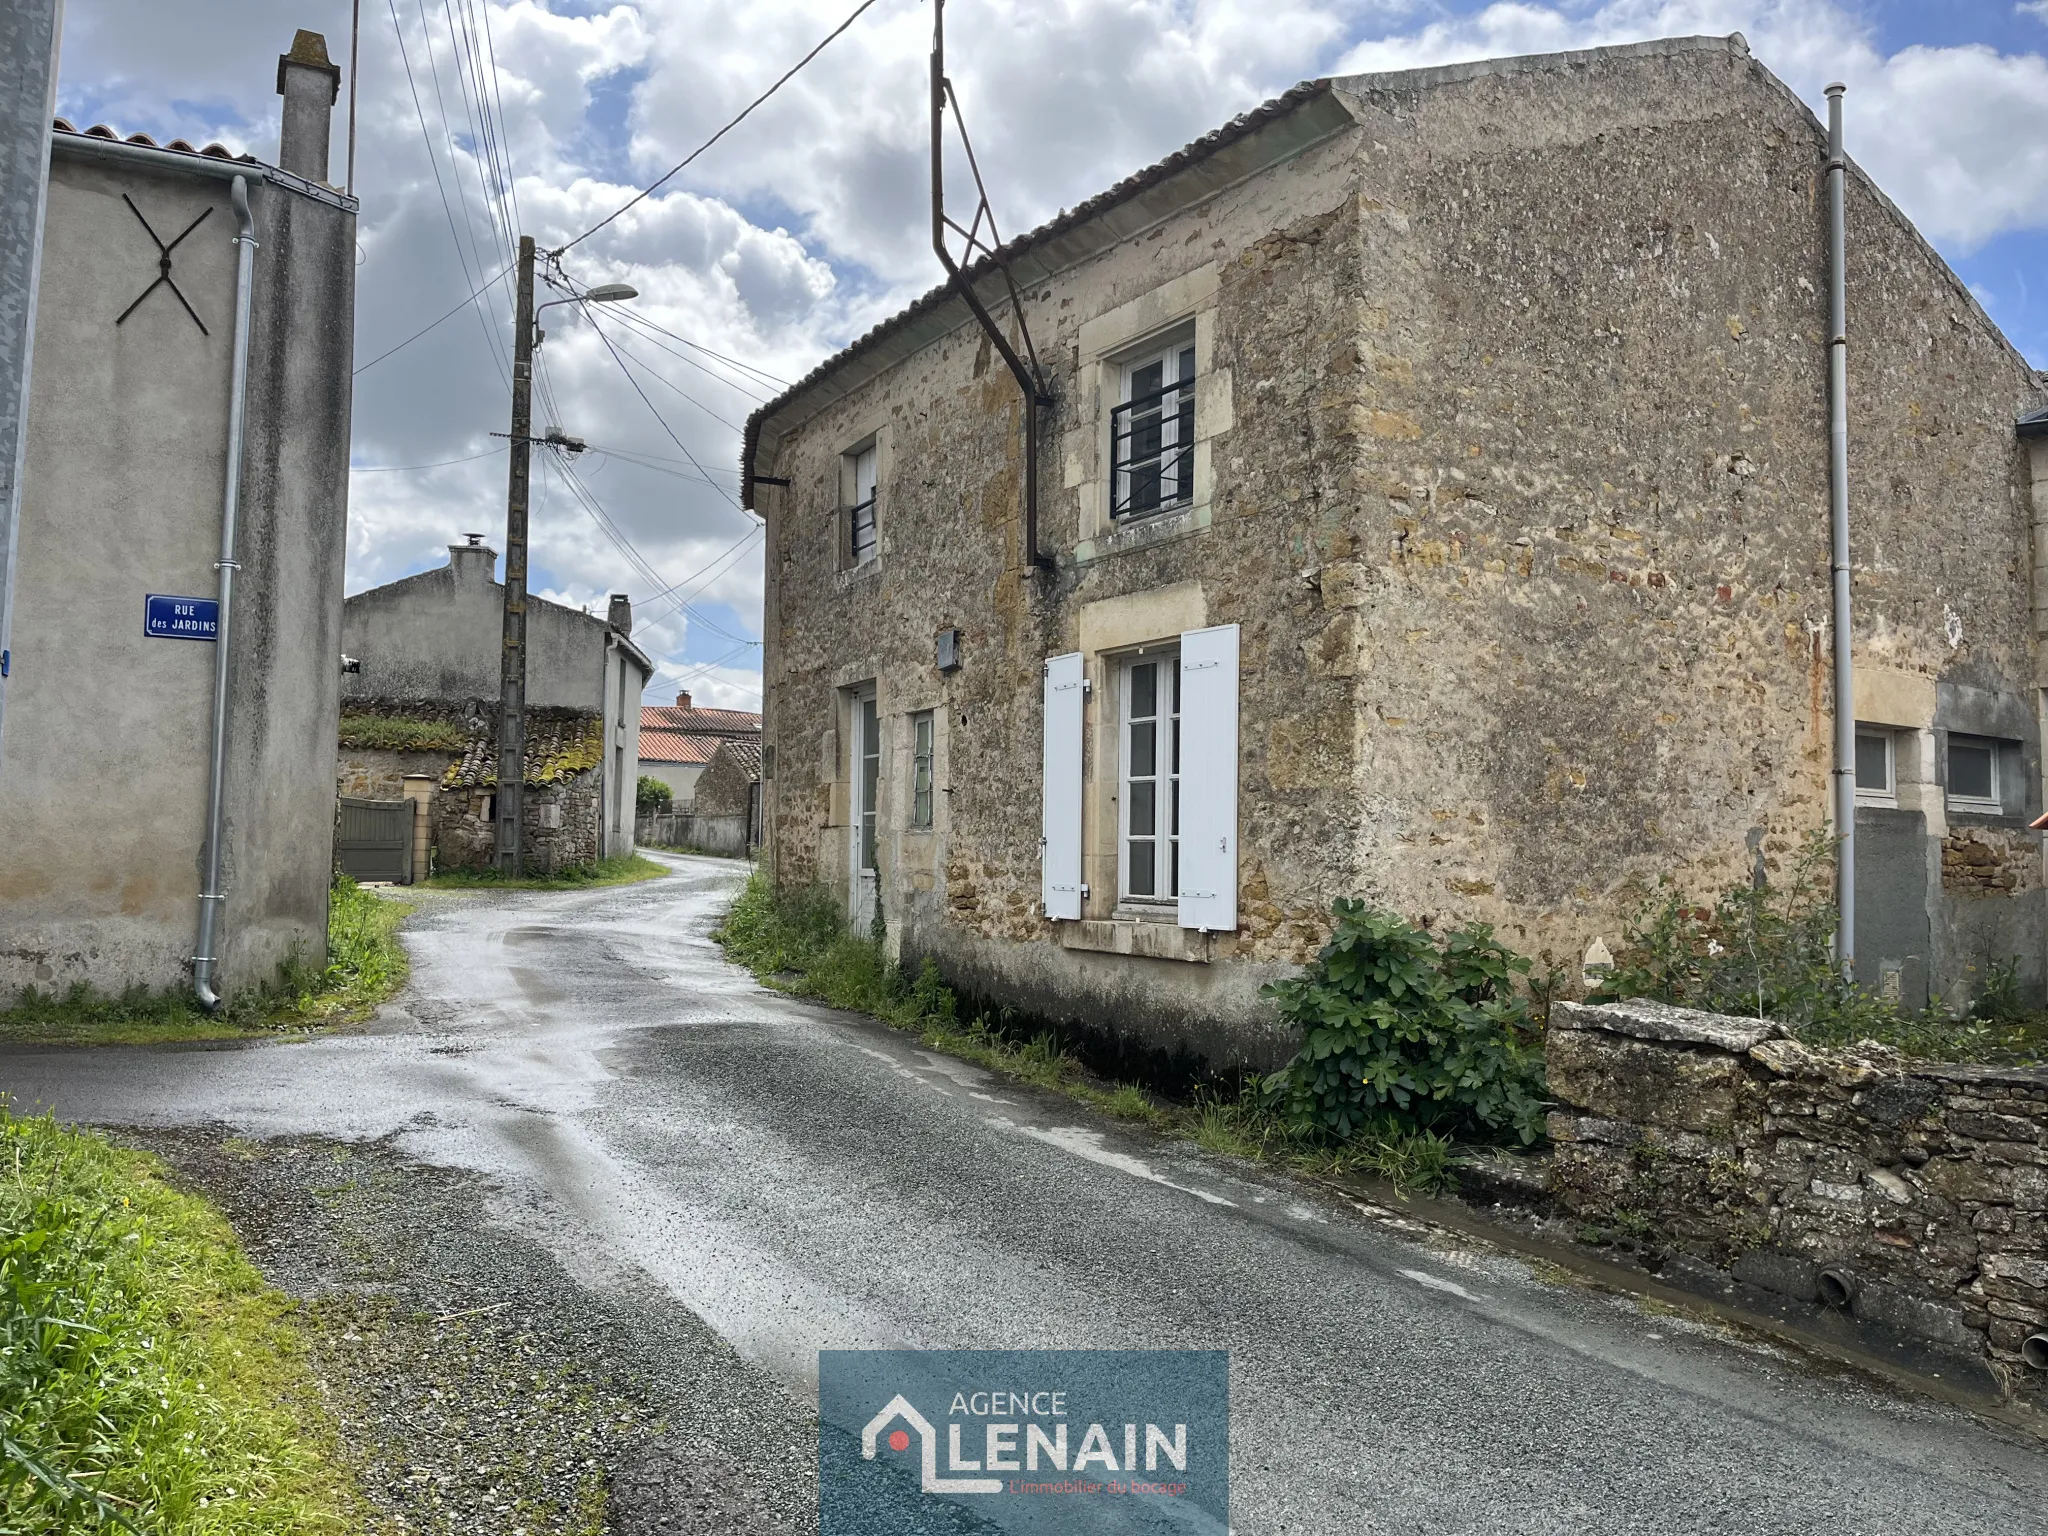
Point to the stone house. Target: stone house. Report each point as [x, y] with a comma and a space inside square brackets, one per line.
[1434, 510]
[679, 740]
[180, 401]
[421, 711]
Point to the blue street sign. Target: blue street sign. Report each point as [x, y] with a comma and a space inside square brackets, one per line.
[180, 618]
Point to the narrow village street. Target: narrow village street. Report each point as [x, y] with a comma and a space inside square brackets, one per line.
[584, 1122]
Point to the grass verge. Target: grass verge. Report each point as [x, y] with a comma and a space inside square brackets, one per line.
[797, 942]
[149, 1380]
[620, 869]
[365, 964]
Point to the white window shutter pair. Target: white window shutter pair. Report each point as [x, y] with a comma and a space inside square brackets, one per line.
[1208, 781]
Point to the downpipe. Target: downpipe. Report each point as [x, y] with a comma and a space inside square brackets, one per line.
[1838, 519]
[211, 896]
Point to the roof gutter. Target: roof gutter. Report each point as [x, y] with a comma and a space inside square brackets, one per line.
[212, 897]
[91, 147]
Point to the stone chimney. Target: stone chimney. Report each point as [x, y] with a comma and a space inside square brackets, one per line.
[683, 699]
[310, 83]
[621, 615]
[474, 561]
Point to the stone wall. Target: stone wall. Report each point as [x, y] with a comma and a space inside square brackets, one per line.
[559, 828]
[1511, 465]
[1921, 1188]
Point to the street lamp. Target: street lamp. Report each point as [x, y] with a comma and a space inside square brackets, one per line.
[603, 293]
[526, 333]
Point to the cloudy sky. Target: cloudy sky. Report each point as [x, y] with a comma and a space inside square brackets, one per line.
[807, 224]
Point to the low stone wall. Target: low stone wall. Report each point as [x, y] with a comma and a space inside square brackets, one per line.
[1913, 1194]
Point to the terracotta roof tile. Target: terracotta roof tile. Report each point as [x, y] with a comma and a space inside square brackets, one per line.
[747, 754]
[699, 722]
[214, 151]
[557, 747]
[661, 746]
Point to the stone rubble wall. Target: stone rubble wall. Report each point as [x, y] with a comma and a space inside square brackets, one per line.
[1925, 1184]
[559, 826]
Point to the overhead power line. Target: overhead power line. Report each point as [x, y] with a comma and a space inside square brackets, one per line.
[650, 190]
[501, 274]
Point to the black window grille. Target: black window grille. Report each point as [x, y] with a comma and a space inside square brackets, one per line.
[861, 524]
[1152, 439]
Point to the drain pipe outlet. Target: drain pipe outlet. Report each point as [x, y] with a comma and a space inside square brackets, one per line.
[1838, 539]
[2034, 1350]
[205, 973]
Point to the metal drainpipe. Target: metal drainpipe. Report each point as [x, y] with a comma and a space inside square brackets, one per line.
[212, 897]
[1838, 509]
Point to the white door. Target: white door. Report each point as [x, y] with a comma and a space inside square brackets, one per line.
[867, 785]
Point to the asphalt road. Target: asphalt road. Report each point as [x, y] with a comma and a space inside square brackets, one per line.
[695, 1150]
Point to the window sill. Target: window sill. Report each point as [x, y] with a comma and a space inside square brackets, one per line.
[1153, 939]
[1144, 533]
[847, 575]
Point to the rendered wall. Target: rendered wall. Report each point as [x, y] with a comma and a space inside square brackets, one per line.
[106, 754]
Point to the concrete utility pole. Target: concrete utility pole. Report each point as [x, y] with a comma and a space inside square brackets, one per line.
[512, 678]
[29, 30]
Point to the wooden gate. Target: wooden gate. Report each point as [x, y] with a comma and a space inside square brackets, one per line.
[373, 839]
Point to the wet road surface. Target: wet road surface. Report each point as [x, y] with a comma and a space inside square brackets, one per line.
[688, 1144]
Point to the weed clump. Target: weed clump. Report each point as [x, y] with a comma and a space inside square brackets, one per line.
[1765, 950]
[149, 1380]
[365, 964]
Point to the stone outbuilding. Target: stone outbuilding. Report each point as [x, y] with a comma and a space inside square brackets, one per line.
[424, 706]
[135, 459]
[1433, 508]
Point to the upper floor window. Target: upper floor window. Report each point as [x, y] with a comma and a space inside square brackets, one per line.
[1152, 432]
[860, 517]
[1150, 798]
[1973, 774]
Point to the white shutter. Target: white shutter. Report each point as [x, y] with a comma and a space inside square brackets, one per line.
[1060, 846]
[1208, 779]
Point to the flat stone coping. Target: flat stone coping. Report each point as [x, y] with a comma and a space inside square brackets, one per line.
[1646, 1020]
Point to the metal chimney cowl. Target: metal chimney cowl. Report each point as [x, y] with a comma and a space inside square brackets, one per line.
[310, 83]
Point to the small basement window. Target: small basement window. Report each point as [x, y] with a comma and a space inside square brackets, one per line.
[1973, 774]
[1876, 767]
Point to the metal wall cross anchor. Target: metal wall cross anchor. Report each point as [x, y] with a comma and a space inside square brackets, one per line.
[163, 266]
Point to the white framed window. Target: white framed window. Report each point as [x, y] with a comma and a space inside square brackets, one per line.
[921, 769]
[1877, 780]
[1148, 797]
[1973, 774]
[1152, 431]
[860, 515]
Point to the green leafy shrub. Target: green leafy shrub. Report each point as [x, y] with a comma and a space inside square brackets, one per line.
[1403, 1035]
[650, 794]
